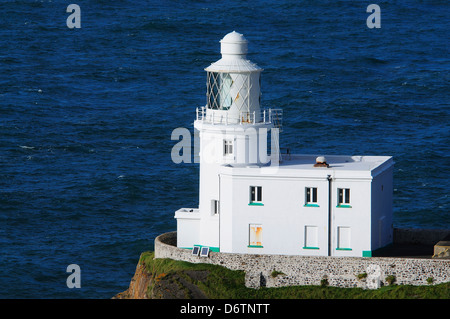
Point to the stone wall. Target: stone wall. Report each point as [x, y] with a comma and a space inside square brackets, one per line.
[282, 270]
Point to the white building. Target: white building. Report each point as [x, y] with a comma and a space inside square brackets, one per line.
[254, 200]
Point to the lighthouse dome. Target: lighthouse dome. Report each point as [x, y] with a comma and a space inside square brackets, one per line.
[233, 43]
[233, 48]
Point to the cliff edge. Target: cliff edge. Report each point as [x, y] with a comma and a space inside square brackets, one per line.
[139, 285]
[163, 281]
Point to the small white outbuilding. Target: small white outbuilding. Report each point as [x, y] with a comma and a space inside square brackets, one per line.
[255, 200]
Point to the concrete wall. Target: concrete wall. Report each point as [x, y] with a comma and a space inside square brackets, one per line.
[310, 270]
[381, 211]
[248, 147]
[187, 227]
[284, 217]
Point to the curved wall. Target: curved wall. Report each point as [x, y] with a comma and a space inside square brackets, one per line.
[311, 270]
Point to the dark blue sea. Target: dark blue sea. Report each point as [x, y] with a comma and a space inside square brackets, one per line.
[86, 116]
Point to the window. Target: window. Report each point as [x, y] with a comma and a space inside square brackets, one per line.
[343, 197]
[311, 197]
[256, 195]
[227, 147]
[311, 237]
[255, 236]
[218, 90]
[343, 238]
[225, 97]
[214, 207]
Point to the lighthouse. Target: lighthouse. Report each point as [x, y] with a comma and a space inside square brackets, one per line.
[232, 129]
[330, 205]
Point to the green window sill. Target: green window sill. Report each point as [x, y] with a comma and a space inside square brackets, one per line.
[311, 248]
[344, 206]
[347, 249]
[254, 246]
[255, 204]
[311, 205]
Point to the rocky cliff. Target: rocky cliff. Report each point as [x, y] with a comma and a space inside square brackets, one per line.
[139, 285]
[155, 284]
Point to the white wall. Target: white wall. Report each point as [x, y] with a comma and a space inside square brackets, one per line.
[188, 228]
[246, 149]
[357, 218]
[284, 217]
[382, 210]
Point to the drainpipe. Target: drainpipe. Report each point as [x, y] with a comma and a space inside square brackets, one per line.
[220, 210]
[329, 178]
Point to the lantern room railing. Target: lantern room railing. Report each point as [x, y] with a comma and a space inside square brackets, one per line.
[274, 116]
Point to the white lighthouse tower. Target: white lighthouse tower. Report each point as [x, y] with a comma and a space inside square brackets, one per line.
[232, 129]
[252, 201]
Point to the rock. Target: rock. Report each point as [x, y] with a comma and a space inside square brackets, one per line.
[172, 285]
[139, 285]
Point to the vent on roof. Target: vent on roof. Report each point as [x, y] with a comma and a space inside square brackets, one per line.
[321, 161]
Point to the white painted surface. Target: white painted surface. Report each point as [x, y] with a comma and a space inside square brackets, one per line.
[365, 224]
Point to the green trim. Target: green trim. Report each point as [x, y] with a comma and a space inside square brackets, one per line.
[311, 205]
[254, 246]
[344, 206]
[255, 204]
[344, 249]
[367, 253]
[311, 248]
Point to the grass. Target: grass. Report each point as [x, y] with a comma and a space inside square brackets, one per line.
[222, 283]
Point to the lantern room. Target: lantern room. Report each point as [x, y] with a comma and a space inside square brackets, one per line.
[233, 84]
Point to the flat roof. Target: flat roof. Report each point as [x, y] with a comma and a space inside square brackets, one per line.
[302, 165]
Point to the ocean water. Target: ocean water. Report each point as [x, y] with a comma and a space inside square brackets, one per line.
[86, 116]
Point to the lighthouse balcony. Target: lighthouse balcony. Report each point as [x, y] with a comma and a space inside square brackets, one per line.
[267, 116]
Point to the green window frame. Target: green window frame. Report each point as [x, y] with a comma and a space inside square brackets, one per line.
[311, 197]
[344, 198]
[256, 196]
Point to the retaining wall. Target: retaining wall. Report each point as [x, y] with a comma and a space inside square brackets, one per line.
[311, 270]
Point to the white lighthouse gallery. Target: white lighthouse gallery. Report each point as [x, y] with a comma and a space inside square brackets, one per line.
[255, 200]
